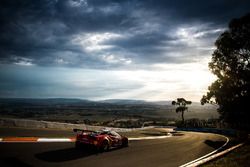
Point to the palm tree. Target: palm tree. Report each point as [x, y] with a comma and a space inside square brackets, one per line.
[181, 103]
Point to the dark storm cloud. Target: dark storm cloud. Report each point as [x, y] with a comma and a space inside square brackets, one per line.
[42, 32]
[218, 11]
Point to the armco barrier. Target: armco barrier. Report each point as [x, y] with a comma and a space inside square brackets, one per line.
[25, 123]
[228, 132]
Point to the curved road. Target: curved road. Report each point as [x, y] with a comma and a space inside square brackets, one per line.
[173, 151]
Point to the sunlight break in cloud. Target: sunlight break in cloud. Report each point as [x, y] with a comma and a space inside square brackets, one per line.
[196, 35]
[22, 61]
[109, 58]
[94, 42]
[97, 43]
[78, 3]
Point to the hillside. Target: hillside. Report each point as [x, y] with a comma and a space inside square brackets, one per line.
[99, 112]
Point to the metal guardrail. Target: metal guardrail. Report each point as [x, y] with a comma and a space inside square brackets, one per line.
[229, 132]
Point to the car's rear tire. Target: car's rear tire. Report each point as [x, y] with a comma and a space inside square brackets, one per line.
[105, 146]
[77, 145]
[125, 143]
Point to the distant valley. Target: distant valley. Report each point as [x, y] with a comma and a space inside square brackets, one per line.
[112, 112]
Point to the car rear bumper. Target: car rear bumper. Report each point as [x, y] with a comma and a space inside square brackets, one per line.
[87, 144]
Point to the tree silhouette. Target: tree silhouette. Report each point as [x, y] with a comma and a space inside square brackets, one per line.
[181, 103]
[231, 64]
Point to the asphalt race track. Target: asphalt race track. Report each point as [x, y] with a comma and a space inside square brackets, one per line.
[172, 151]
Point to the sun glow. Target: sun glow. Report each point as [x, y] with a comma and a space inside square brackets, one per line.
[188, 80]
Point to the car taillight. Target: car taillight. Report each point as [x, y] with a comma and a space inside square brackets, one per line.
[95, 142]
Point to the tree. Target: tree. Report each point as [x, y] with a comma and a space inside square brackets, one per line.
[181, 103]
[231, 64]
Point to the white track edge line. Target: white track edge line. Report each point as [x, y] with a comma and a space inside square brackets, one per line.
[148, 138]
[54, 140]
[215, 156]
[18, 141]
[189, 164]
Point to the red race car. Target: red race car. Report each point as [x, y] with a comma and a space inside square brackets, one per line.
[103, 140]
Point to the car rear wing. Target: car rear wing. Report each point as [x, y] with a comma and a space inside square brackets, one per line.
[83, 130]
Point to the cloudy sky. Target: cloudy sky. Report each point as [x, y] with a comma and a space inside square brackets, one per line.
[110, 49]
